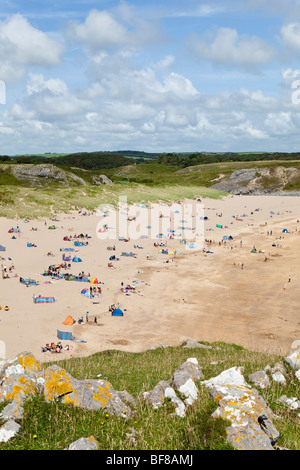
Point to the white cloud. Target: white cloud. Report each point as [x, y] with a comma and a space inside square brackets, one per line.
[290, 36]
[226, 47]
[37, 84]
[22, 45]
[99, 31]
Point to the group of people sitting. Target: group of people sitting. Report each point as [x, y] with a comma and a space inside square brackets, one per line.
[55, 348]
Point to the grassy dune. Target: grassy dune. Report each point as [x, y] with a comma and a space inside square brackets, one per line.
[53, 426]
[20, 202]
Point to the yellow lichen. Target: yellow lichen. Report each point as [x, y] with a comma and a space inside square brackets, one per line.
[57, 383]
[29, 363]
[103, 394]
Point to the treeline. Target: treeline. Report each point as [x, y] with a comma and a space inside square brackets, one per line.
[173, 159]
[85, 160]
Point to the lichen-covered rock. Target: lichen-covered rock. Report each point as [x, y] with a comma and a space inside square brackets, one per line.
[12, 411]
[182, 381]
[58, 383]
[260, 378]
[84, 443]
[23, 363]
[17, 387]
[251, 427]
[156, 396]
[294, 360]
[292, 402]
[87, 394]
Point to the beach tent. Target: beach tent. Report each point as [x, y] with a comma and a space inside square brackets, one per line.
[65, 335]
[68, 321]
[2, 248]
[76, 259]
[52, 227]
[219, 226]
[285, 230]
[94, 281]
[13, 237]
[86, 292]
[117, 313]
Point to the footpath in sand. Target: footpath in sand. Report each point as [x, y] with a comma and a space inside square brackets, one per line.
[226, 292]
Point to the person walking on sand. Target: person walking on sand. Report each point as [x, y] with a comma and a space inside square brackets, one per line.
[289, 278]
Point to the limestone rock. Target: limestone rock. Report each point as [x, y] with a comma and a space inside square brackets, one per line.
[156, 396]
[251, 427]
[231, 376]
[190, 343]
[87, 394]
[9, 430]
[179, 405]
[294, 360]
[84, 443]
[12, 411]
[183, 379]
[101, 179]
[260, 378]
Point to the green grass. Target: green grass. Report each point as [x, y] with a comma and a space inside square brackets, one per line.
[19, 202]
[56, 425]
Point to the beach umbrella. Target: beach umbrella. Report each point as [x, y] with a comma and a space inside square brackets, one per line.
[94, 281]
[77, 260]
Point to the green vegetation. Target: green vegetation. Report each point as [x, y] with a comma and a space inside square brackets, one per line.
[19, 202]
[53, 426]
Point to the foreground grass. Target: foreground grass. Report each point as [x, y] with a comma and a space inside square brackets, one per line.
[20, 202]
[53, 426]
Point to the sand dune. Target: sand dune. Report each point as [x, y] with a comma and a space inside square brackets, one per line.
[198, 295]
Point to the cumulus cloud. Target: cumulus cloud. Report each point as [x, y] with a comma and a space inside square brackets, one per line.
[23, 45]
[227, 48]
[100, 30]
[290, 37]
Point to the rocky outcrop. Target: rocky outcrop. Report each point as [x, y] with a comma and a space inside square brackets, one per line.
[101, 179]
[250, 419]
[84, 443]
[258, 181]
[24, 376]
[182, 383]
[39, 175]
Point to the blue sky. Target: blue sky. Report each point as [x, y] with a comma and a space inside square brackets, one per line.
[158, 76]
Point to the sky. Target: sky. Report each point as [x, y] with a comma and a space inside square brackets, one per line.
[154, 76]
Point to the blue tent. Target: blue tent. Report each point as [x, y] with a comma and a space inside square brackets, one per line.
[77, 260]
[117, 313]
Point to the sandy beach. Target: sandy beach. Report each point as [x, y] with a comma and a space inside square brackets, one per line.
[226, 292]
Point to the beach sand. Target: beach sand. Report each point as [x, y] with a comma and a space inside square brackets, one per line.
[195, 295]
